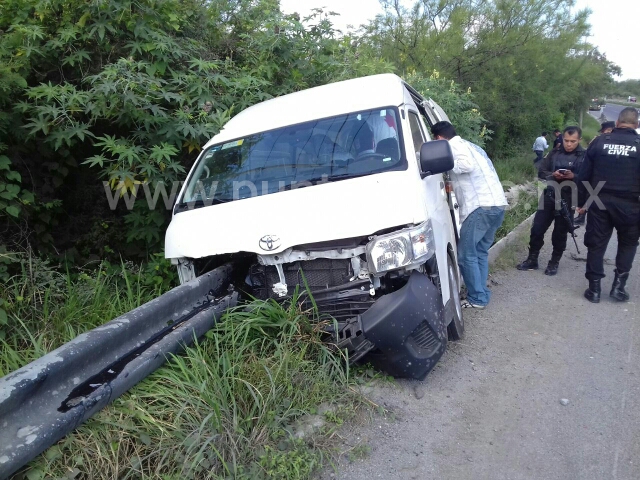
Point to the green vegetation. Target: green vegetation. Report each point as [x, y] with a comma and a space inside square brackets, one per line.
[590, 127]
[226, 408]
[624, 89]
[126, 93]
[516, 169]
[624, 102]
[360, 451]
[458, 103]
[526, 62]
[41, 308]
[522, 207]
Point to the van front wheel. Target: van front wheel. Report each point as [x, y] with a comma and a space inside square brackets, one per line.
[456, 327]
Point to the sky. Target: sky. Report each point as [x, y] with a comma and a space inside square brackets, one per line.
[615, 29]
[615, 24]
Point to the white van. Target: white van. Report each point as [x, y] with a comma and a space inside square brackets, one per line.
[339, 191]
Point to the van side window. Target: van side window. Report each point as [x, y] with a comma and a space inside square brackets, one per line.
[416, 131]
[428, 125]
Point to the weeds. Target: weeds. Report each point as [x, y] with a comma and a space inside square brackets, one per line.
[359, 452]
[43, 309]
[590, 127]
[516, 169]
[524, 206]
[226, 408]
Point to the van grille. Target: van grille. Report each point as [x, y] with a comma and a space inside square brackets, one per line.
[320, 274]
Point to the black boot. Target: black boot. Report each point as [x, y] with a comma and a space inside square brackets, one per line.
[552, 267]
[617, 289]
[531, 263]
[593, 292]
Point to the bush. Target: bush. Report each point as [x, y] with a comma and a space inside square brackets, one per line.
[459, 105]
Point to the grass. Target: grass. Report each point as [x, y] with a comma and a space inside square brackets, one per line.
[359, 452]
[515, 169]
[226, 408]
[42, 309]
[590, 127]
[520, 208]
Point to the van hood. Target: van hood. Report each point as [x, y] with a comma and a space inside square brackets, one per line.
[272, 223]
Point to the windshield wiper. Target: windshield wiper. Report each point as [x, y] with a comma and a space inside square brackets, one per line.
[192, 205]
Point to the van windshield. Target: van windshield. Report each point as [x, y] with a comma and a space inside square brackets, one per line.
[296, 156]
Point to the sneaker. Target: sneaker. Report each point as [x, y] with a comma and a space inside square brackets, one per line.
[468, 304]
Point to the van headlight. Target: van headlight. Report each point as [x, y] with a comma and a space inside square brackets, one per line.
[401, 249]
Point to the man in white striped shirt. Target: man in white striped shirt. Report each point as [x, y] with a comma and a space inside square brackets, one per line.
[539, 146]
[482, 204]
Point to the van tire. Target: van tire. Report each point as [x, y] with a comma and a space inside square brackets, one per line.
[456, 326]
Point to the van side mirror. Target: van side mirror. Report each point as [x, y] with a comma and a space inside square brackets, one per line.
[435, 157]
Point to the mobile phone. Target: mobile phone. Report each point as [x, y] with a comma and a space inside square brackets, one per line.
[563, 170]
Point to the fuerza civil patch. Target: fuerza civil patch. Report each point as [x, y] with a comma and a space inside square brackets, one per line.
[621, 150]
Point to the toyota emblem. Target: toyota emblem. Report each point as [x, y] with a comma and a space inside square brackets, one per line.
[269, 242]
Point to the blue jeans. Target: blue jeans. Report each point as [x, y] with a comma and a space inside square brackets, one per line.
[476, 236]
[539, 155]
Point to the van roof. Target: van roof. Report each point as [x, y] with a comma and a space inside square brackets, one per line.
[325, 101]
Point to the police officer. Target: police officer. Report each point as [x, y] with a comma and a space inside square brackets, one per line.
[605, 128]
[612, 170]
[557, 141]
[559, 168]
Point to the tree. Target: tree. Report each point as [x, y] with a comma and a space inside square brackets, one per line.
[623, 89]
[521, 58]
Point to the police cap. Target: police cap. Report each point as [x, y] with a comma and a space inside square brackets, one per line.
[606, 125]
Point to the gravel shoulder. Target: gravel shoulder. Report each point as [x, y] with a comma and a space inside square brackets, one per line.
[492, 407]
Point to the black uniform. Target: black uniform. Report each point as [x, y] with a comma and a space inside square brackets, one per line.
[555, 160]
[614, 159]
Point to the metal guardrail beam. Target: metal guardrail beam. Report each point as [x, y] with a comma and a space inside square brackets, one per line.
[45, 400]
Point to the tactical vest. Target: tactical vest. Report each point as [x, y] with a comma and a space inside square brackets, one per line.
[617, 163]
[570, 161]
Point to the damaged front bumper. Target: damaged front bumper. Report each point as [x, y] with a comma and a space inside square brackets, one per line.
[403, 333]
[394, 321]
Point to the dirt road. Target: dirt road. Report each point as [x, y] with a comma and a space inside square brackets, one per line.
[493, 408]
